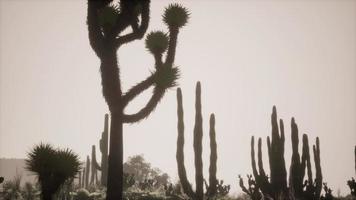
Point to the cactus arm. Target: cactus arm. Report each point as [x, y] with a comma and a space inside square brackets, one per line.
[243, 187]
[282, 138]
[277, 163]
[253, 160]
[213, 157]
[295, 178]
[138, 31]
[187, 188]
[198, 136]
[305, 154]
[306, 159]
[318, 173]
[259, 157]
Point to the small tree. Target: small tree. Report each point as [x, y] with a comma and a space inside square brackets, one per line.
[53, 167]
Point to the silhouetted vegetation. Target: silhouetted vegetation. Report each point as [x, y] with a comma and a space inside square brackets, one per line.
[52, 167]
[214, 184]
[276, 186]
[106, 24]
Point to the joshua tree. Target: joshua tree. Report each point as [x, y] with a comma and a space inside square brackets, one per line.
[53, 167]
[106, 26]
[198, 136]
[276, 186]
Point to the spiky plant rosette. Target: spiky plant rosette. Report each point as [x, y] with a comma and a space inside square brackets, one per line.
[69, 164]
[53, 166]
[166, 77]
[108, 16]
[41, 159]
[175, 15]
[156, 42]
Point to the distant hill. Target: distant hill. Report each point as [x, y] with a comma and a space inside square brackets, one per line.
[10, 167]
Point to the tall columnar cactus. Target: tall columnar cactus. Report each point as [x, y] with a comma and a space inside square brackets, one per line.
[276, 186]
[94, 167]
[198, 136]
[106, 27]
[80, 178]
[83, 178]
[87, 172]
[308, 189]
[104, 151]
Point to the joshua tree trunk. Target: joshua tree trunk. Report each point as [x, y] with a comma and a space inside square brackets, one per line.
[112, 94]
[115, 169]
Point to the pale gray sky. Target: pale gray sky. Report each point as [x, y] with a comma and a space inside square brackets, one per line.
[249, 55]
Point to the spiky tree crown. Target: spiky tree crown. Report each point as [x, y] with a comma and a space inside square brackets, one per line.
[175, 16]
[166, 77]
[156, 42]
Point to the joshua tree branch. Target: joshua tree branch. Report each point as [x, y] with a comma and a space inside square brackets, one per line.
[137, 31]
[95, 35]
[149, 107]
[173, 34]
[143, 85]
[138, 89]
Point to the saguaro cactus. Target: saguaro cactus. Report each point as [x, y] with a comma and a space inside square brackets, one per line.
[106, 26]
[198, 136]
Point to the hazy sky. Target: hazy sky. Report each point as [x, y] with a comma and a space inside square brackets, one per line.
[249, 55]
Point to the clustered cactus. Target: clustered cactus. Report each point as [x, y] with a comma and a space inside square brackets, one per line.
[276, 186]
[198, 136]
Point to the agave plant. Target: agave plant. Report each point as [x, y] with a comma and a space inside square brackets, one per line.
[53, 167]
